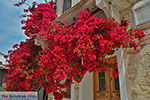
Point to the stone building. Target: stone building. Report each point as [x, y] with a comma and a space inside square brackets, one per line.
[2, 59]
[3, 70]
[134, 66]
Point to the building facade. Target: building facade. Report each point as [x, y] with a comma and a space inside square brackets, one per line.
[134, 66]
[2, 59]
[3, 70]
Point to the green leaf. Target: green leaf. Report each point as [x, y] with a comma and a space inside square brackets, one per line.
[128, 44]
[73, 41]
[75, 60]
[74, 19]
[72, 65]
[107, 64]
[93, 7]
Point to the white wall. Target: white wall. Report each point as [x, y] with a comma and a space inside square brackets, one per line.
[86, 87]
[75, 2]
[2, 59]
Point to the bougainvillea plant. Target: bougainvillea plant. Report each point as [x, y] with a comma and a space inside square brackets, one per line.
[22, 65]
[70, 51]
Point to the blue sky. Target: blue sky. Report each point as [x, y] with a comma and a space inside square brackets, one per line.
[10, 27]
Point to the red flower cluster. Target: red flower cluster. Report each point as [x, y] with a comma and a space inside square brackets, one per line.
[71, 51]
[23, 67]
[40, 17]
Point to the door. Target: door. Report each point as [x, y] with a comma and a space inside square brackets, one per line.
[106, 87]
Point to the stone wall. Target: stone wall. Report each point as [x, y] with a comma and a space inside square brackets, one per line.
[137, 65]
[138, 74]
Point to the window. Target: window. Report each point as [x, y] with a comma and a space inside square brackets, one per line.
[67, 5]
[102, 84]
[116, 81]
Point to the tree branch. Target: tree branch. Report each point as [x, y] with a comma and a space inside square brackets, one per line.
[27, 4]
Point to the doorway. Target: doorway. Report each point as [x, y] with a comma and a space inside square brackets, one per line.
[105, 86]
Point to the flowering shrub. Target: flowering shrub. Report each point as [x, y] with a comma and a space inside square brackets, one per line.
[39, 19]
[23, 67]
[71, 51]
